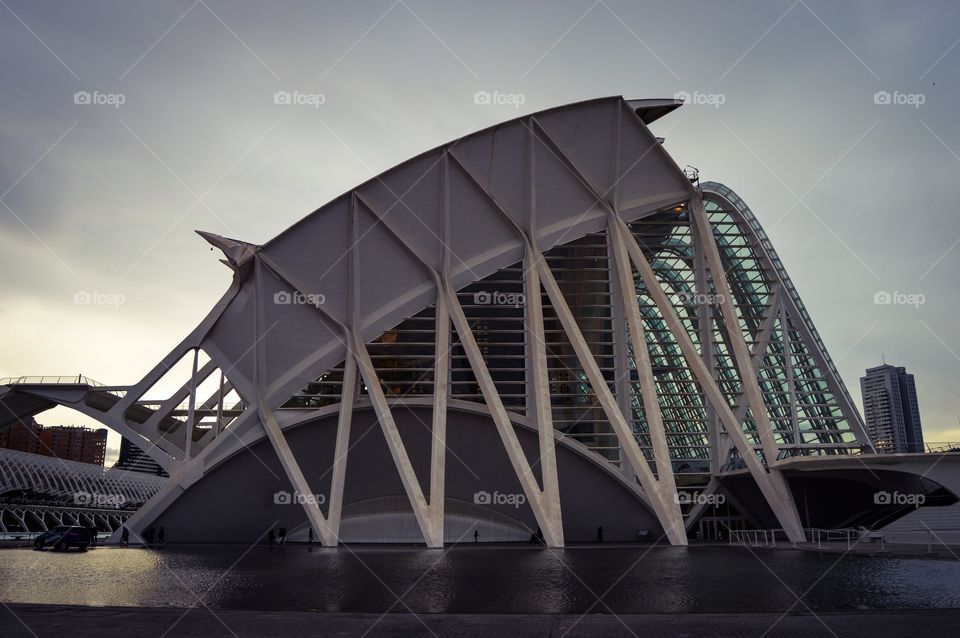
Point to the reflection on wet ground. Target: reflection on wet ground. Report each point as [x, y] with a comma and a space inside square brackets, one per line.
[477, 580]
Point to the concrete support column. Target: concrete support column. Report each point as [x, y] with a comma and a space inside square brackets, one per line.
[665, 507]
[770, 486]
[538, 380]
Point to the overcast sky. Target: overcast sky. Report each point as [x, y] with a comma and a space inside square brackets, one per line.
[126, 125]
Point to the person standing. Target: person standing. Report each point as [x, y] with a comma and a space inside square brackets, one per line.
[310, 536]
[476, 536]
[282, 539]
[600, 534]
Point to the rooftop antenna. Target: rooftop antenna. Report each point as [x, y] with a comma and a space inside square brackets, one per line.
[883, 358]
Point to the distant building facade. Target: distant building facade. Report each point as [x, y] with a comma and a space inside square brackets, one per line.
[22, 436]
[133, 459]
[67, 442]
[891, 409]
[74, 443]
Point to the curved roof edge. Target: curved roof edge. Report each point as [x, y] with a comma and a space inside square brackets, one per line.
[459, 211]
[648, 110]
[765, 248]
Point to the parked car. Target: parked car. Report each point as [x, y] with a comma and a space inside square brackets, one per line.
[63, 538]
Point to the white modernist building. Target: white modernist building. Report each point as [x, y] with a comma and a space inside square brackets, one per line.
[41, 492]
[543, 325]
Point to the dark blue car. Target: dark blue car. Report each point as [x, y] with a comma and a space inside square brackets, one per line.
[63, 538]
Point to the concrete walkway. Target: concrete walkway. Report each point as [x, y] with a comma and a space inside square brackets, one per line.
[43, 621]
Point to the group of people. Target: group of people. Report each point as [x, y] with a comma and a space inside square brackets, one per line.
[280, 536]
[150, 536]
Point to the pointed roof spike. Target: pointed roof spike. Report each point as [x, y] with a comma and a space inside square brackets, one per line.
[236, 252]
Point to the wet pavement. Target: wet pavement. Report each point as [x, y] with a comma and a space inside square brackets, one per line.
[34, 621]
[476, 580]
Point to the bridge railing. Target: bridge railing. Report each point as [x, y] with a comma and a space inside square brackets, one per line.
[930, 538]
[74, 379]
[768, 537]
[754, 537]
[78, 379]
[849, 537]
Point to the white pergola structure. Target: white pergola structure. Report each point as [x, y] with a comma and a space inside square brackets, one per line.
[516, 270]
[62, 481]
[48, 491]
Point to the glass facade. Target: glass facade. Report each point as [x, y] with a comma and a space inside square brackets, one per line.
[797, 379]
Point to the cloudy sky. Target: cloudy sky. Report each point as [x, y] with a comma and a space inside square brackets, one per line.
[125, 125]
